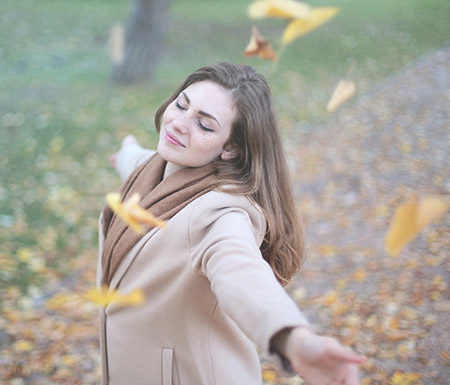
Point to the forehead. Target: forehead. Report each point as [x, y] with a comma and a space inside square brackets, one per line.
[212, 98]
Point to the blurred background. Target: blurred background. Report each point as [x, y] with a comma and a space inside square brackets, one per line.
[74, 82]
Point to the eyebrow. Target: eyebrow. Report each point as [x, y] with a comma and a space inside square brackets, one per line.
[203, 113]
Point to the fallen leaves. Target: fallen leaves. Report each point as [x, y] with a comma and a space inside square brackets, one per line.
[399, 378]
[410, 218]
[23, 346]
[131, 213]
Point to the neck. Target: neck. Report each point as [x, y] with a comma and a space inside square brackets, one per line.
[171, 168]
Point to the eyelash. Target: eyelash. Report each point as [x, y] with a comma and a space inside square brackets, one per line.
[180, 107]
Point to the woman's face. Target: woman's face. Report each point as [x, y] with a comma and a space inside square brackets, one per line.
[196, 125]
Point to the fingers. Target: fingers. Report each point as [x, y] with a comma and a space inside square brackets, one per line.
[352, 377]
[336, 350]
[129, 139]
[113, 160]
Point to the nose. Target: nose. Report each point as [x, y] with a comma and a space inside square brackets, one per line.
[181, 123]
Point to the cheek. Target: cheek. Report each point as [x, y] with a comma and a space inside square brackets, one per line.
[208, 145]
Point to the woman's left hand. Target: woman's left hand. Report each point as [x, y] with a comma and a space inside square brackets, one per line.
[321, 360]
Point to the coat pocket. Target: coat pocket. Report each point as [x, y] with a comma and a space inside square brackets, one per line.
[169, 373]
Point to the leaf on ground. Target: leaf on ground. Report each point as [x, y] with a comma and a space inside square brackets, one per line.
[269, 375]
[23, 346]
[409, 378]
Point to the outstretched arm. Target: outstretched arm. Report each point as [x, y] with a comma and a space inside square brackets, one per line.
[130, 156]
[319, 360]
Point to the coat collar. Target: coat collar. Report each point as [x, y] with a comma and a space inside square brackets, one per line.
[126, 261]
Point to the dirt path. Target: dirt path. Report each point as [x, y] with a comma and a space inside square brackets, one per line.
[350, 172]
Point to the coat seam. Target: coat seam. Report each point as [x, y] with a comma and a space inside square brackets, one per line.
[209, 342]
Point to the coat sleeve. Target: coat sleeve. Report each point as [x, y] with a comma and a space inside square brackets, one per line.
[129, 157]
[225, 248]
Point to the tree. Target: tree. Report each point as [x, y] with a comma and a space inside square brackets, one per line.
[143, 42]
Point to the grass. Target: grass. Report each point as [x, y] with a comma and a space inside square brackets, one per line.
[60, 118]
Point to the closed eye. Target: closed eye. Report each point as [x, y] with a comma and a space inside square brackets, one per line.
[204, 127]
[179, 106]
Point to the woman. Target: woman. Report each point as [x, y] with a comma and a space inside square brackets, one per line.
[213, 278]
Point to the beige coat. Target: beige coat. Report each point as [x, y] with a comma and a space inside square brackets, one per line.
[208, 291]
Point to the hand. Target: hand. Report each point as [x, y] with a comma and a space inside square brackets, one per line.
[321, 360]
[129, 139]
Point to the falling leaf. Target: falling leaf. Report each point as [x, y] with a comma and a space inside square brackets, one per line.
[258, 45]
[343, 92]
[289, 9]
[410, 218]
[117, 43]
[301, 26]
[104, 297]
[430, 209]
[131, 213]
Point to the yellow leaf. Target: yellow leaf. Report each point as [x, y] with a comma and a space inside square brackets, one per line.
[359, 275]
[131, 213]
[410, 218]
[269, 375]
[63, 300]
[24, 254]
[343, 92]
[289, 9]
[258, 45]
[302, 26]
[68, 360]
[399, 378]
[330, 298]
[104, 297]
[328, 250]
[430, 209]
[117, 43]
[23, 346]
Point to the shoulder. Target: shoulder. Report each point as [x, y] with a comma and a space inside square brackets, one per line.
[223, 206]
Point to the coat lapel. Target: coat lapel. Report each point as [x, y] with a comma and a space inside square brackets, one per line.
[130, 257]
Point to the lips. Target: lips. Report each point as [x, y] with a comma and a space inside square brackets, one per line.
[173, 140]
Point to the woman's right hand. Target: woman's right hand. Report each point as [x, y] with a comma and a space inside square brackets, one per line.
[321, 360]
[129, 139]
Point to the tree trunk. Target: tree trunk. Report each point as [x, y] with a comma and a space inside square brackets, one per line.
[143, 42]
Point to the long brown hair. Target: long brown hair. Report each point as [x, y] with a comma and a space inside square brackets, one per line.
[259, 170]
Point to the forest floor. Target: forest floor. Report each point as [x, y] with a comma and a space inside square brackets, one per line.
[350, 172]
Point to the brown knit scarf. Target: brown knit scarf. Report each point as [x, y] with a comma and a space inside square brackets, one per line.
[162, 197]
